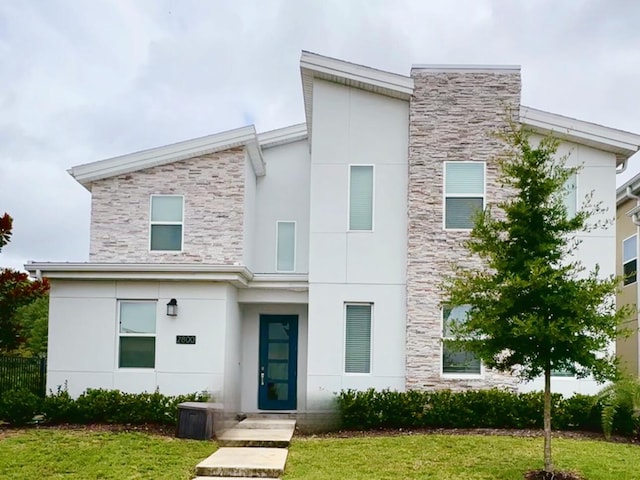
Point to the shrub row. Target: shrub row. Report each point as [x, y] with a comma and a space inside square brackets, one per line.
[18, 407]
[371, 409]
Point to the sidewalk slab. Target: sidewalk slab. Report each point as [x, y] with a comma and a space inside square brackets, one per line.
[244, 462]
[255, 437]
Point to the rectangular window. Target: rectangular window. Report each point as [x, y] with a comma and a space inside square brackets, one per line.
[361, 197]
[285, 246]
[455, 360]
[464, 193]
[630, 259]
[137, 332]
[166, 223]
[570, 196]
[358, 339]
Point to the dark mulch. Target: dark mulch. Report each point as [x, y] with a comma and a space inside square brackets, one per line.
[542, 475]
[148, 428]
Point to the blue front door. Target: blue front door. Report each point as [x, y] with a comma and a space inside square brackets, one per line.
[278, 369]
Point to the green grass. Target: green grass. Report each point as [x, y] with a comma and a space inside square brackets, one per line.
[468, 457]
[80, 454]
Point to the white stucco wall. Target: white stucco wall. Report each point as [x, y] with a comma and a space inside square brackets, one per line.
[598, 246]
[233, 351]
[249, 217]
[83, 337]
[351, 126]
[282, 195]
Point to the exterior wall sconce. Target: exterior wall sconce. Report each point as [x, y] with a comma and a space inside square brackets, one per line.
[172, 308]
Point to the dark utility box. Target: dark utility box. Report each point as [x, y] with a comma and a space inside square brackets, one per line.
[195, 420]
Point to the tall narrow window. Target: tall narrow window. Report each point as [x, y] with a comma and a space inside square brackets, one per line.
[137, 333]
[456, 360]
[286, 246]
[166, 222]
[358, 339]
[630, 259]
[361, 197]
[464, 193]
[571, 196]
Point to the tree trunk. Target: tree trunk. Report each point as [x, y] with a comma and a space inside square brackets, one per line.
[548, 464]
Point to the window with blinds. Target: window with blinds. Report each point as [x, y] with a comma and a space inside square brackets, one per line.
[166, 223]
[464, 193]
[358, 338]
[630, 259]
[285, 246]
[361, 197]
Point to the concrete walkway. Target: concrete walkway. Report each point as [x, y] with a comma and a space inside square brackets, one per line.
[254, 448]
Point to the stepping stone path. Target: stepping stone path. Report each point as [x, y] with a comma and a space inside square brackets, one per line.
[254, 448]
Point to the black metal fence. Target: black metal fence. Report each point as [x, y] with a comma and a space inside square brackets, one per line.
[19, 372]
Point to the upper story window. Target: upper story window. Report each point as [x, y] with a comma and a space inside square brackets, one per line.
[137, 332]
[571, 196]
[464, 193]
[630, 259]
[456, 360]
[361, 197]
[285, 246]
[166, 223]
[357, 353]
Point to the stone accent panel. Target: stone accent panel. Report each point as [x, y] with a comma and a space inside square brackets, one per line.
[453, 116]
[213, 189]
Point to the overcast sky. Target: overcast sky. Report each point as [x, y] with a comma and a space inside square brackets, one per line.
[81, 81]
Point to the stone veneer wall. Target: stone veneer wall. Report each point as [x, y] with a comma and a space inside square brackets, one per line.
[213, 189]
[452, 117]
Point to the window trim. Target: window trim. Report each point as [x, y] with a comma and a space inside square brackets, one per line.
[120, 334]
[444, 374]
[461, 195]
[373, 197]
[295, 241]
[630, 260]
[344, 347]
[181, 223]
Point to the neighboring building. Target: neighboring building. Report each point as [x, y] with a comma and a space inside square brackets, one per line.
[627, 222]
[305, 260]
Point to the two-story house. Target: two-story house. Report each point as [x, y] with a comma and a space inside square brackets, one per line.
[275, 269]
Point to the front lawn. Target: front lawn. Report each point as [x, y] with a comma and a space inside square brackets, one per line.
[85, 454]
[454, 457]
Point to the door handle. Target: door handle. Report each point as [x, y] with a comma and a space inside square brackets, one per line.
[262, 378]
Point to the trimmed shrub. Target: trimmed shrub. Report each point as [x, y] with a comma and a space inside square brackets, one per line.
[18, 407]
[371, 409]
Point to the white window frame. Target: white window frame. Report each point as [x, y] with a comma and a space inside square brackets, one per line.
[295, 241]
[151, 223]
[629, 260]
[344, 333]
[373, 197]
[461, 195]
[444, 374]
[120, 334]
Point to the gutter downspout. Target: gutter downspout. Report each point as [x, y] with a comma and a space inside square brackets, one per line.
[623, 166]
[634, 217]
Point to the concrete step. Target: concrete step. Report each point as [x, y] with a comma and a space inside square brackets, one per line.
[226, 478]
[236, 462]
[265, 423]
[255, 437]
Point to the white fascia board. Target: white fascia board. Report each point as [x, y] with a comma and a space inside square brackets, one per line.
[621, 191]
[238, 275]
[466, 68]
[326, 68]
[622, 143]
[90, 172]
[282, 136]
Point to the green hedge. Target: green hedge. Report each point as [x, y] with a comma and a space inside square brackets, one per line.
[371, 409]
[93, 406]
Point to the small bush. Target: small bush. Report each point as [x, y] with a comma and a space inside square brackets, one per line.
[18, 407]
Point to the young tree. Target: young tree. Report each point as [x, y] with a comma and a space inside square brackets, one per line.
[16, 290]
[532, 308]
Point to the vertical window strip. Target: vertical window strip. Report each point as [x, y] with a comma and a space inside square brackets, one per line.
[571, 196]
[361, 197]
[630, 259]
[286, 246]
[464, 192]
[358, 339]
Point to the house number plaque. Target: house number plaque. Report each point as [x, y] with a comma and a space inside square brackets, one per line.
[186, 339]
